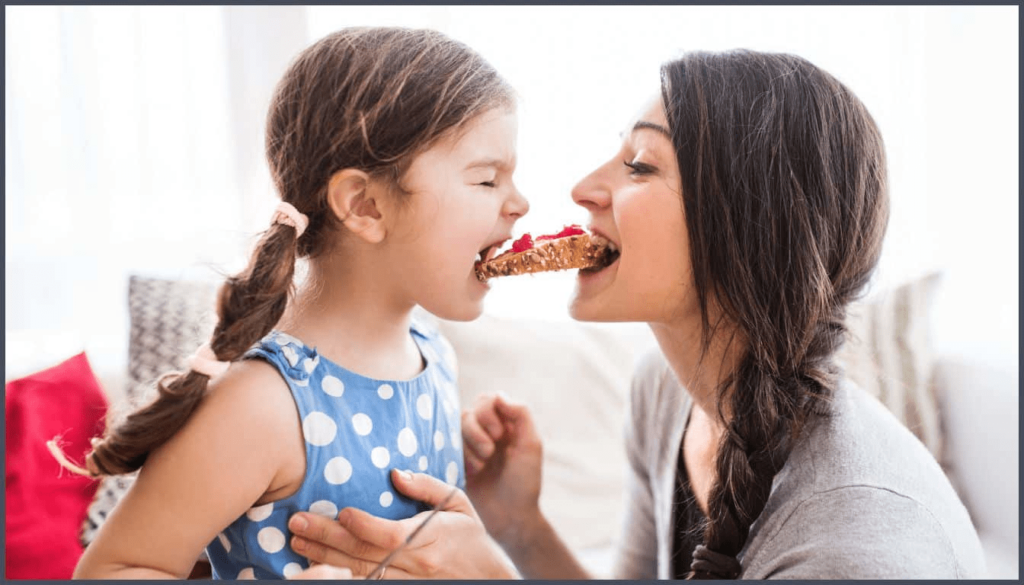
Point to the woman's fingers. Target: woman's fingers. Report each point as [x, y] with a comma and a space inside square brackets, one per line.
[324, 572]
[325, 540]
[430, 490]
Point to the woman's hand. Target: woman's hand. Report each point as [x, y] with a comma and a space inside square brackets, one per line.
[503, 455]
[323, 573]
[454, 545]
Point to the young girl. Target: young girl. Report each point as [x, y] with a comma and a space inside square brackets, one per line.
[393, 152]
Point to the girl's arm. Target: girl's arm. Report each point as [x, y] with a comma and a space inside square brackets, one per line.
[242, 443]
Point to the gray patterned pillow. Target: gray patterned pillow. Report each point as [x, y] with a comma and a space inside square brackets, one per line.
[169, 320]
[889, 355]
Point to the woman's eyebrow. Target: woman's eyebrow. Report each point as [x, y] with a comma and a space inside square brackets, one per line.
[641, 125]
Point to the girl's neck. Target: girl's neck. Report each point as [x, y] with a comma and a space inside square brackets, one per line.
[344, 310]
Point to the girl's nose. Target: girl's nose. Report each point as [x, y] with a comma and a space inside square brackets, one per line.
[517, 206]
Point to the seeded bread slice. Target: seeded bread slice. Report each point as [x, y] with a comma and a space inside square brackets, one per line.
[548, 255]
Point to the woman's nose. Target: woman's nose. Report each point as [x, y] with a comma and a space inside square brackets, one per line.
[592, 192]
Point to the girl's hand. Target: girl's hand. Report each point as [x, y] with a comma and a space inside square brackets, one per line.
[454, 545]
[503, 455]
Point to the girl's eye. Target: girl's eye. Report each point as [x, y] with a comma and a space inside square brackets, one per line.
[639, 168]
[490, 184]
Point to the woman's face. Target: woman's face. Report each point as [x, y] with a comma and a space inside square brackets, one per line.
[634, 200]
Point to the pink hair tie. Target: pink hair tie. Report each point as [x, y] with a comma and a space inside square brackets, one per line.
[205, 362]
[288, 215]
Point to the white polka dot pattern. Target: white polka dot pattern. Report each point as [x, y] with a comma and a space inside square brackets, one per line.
[338, 471]
[260, 513]
[290, 355]
[362, 424]
[271, 539]
[285, 339]
[407, 442]
[425, 407]
[311, 364]
[325, 508]
[319, 429]
[332, 386]
[380, 457]
[356, 432]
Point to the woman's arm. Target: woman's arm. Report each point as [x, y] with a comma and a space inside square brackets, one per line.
[228, 454]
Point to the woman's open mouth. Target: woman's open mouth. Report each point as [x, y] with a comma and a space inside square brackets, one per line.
[609, 256]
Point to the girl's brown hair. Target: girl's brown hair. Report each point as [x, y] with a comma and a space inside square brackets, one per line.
[365, 98]
[785, 196]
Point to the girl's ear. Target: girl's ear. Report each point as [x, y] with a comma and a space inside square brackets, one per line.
[351, 201]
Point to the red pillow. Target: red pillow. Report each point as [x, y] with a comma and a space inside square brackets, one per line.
[46, 504]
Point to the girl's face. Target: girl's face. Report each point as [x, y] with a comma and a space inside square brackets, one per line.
[634, 200]
[462, 201]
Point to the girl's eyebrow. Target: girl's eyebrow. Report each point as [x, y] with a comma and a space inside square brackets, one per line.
[642, 125]
[487, 162]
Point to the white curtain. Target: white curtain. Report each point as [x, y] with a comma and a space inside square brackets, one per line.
[134, 143]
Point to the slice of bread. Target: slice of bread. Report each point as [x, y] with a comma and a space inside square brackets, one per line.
[578, 251]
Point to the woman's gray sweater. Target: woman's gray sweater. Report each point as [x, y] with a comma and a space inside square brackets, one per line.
[859, 497]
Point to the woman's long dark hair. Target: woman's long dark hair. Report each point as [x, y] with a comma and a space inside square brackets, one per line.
[365, 98]
[786, 203]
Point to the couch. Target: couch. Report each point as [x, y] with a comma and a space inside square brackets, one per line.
[575, 377]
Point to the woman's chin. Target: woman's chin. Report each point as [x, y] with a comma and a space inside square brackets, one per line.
[587, 309]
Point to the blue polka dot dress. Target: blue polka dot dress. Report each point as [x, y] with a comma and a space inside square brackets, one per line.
[356, 430]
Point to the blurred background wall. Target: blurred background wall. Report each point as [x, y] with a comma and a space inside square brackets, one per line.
[134, 140]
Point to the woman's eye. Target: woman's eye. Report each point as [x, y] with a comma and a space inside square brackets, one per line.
[639, 168]
[490, 184]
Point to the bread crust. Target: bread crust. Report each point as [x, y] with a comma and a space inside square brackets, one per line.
[567, 253]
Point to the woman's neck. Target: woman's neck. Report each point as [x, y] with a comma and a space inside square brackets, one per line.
[700, 372]
[344, 310]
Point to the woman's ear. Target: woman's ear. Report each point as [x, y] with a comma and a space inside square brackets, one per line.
[351, 201]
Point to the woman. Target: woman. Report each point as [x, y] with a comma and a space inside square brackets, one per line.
[749, 203]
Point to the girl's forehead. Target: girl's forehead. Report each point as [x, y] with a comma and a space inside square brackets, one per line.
[489, 139]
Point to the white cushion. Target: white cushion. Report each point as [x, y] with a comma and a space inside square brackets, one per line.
[575, 377]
